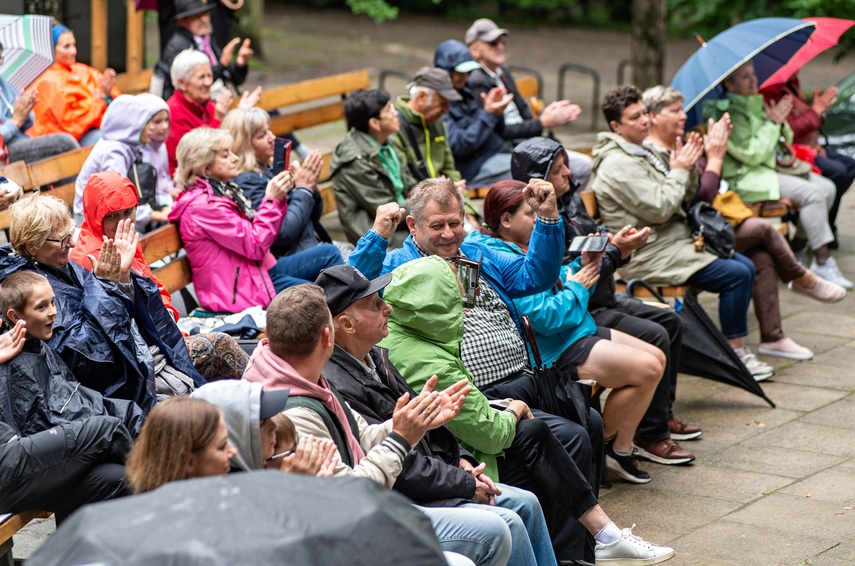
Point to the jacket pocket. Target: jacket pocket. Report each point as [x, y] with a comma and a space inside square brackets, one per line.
[234, 292]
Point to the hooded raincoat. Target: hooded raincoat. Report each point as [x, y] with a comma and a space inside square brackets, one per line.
[240, 402]
[38, 391]
[229, 253]
[425, 332]
[120, 144]
[107, 193]
[67, 101]
[631, 190]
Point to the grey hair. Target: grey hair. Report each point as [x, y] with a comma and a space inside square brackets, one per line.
[196, 150]
[441, 191]
[415, 90]
[658, 97]
[185, 63]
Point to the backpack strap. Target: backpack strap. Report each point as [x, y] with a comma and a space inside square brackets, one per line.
[417, 168]
[334, 426]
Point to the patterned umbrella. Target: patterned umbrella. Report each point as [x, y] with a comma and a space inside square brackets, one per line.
[27, 48]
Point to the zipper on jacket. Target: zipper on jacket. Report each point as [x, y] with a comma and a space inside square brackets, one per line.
[234, 293]
[260, 274]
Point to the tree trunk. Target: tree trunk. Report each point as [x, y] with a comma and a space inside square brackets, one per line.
[252, 24]
[648, 42]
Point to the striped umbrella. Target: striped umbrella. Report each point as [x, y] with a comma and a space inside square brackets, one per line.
[27, 48]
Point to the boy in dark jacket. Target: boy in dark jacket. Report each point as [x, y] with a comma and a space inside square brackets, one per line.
[37, 390]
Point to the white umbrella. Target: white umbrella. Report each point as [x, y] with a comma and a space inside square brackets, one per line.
[27, 48]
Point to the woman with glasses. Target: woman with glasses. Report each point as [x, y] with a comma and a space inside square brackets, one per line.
[16, 115]
[111, 329]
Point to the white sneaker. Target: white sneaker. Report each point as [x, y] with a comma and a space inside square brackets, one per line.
[830, 272]
[759, 370]
[785, 348]
[630, 550]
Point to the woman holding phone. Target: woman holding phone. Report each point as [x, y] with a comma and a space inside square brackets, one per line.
[257, 149]
[567, 336]
[227, 241]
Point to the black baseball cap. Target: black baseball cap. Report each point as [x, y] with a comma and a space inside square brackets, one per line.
[272, 402]
[344, 285]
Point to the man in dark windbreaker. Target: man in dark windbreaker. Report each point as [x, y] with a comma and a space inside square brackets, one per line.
[543, 158]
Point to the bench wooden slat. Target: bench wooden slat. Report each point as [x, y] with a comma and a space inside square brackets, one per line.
[288, 123]
[54, 169]
[527, 86]
[134, 83]
[175, 275]
[17, 522]
[314, 89]
[161, 243]
[17, 172]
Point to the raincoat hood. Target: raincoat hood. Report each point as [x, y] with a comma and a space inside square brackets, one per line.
[608, 142]
[240, 402]
[532, 159]
[451, 53]
[105, 193]
[426, 303]
[127, 116]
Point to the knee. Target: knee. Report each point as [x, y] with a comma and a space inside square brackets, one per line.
[331, 253]
[649, 368]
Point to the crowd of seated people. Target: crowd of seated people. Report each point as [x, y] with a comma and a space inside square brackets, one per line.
[425, 389]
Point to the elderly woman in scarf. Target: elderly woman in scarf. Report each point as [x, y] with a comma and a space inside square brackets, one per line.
[227, 241]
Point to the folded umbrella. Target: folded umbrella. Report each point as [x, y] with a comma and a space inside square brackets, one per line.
[27, 48]
[826, 36]
[768, 42]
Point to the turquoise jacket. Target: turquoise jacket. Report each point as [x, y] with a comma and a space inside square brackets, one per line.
[425, 332]
[749, 165]
[559, 316]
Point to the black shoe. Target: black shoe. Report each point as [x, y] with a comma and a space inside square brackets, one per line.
[624, 466]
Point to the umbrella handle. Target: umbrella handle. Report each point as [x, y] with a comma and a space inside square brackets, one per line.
[632, 283]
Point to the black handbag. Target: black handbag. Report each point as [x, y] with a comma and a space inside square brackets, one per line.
[144, 176]
[710, 230]
[557, 394]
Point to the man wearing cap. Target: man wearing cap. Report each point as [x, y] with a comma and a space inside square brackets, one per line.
[194, 32]
[486, 42]
[247, 410]
[475, 124]
[300, 340]
[437, 472]
[366, 169]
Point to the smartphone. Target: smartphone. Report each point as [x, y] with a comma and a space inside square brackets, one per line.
[593, 244]
[281, 155]
[469, 272]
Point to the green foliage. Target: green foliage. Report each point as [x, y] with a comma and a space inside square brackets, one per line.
[378, 10]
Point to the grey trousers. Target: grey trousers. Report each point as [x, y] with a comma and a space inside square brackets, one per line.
[813, 197]
[30, 150]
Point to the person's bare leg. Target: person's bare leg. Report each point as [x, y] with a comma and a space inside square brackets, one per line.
[632, 369]
[594, 519]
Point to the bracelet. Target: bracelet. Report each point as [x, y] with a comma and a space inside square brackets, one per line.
[514, 413]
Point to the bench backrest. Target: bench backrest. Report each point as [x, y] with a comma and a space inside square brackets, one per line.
[162, 243]
[134, 83]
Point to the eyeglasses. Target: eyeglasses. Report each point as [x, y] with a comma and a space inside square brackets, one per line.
[64, 242]
[496, 42]
[389, 109]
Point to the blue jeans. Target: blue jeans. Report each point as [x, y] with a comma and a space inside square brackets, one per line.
[733, 280]
[532, 545]
[478, 534]
[304, 266]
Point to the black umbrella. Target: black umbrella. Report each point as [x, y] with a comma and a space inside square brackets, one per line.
[705, 351]
[265, 517]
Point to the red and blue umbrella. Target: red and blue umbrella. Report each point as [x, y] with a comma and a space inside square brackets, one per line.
[769, 42]
[826, 36]
[27, 48]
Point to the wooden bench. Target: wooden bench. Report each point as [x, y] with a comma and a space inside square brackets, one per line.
[10, 526]
[134, 83]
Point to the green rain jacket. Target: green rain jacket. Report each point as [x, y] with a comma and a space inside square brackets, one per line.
[749, 165]
[425, 332]
[432, 141]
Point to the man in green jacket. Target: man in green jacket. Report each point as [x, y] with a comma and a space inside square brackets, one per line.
[366, 169]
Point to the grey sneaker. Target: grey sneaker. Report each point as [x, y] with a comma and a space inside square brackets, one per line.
[830, 272]
[630, 550]
[759, 370]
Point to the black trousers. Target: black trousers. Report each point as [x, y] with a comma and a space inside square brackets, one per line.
[64, 467]
[663, 329]
[559, 461]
